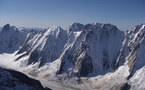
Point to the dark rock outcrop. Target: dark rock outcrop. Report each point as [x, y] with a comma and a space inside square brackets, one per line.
[14, 80]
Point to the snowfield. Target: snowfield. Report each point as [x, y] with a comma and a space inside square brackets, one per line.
[137, 81]
[7, 61]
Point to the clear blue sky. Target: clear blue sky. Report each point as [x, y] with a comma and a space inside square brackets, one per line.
[44, 13]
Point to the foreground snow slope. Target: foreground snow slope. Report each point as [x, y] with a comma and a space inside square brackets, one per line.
[13, 80]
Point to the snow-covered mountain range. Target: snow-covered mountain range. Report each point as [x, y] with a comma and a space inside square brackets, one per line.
[97, 55]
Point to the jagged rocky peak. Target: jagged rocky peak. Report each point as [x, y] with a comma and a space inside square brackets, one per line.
[59, 28]
[109, 27]
[102, 30]
[7, 28]
[76, 27]
[91, 25]
[101, 25]
[138, 27]
[137, 34]
[88, 26]
[54, 29]
[46, 46]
